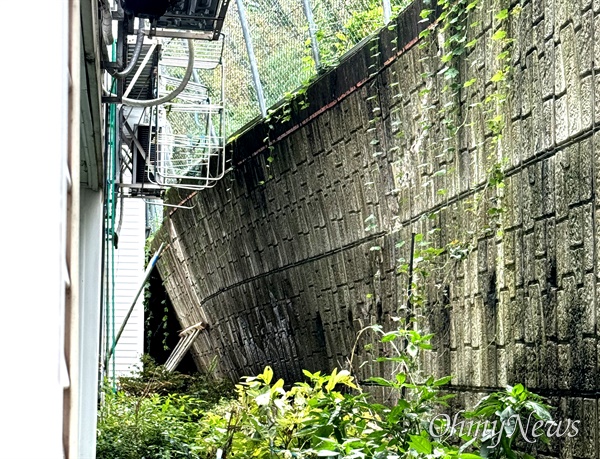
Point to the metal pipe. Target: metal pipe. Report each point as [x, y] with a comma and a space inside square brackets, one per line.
[387, 11]
[136, 55]
[250, 49]
[312, 32]
[162, 204]
[175, 92]
[151, 265]
[140, 69]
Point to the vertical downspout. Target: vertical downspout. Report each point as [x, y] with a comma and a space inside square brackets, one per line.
[109, 229]
[110, 297]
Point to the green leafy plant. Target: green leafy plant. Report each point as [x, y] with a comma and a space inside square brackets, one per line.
[328, 415]
[151, 427]
[334, 41]
[510, 413]
[150, 378]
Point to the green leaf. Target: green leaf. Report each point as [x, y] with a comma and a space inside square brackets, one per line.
[277, 385]
[392, 359]
[380, 381]
[471, 5]
[447, 57]
[502, 14]
[420, 444]
[267, 375]
[498, 76]
[517, 390]
[425, 33]
[307, 373]
[499, 35]
[425, 13]
[400, 377]
[391, 336]
[539, 410]
[451, 73]
[332, 380]
[403, 404]
[442, 381]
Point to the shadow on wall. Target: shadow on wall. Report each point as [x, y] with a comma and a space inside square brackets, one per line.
[161, 339]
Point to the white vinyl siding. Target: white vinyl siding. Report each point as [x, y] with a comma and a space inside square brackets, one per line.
[129, 272]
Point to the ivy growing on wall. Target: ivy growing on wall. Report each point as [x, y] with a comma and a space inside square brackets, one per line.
[463, 103]
[466, 95]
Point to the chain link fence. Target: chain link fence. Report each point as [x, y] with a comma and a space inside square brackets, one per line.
[279, 32]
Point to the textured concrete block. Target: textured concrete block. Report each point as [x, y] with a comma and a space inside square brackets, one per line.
[286, 272]
[561, 119]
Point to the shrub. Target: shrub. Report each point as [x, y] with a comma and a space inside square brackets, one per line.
[132, 427]
[328, 415]
[154, 379]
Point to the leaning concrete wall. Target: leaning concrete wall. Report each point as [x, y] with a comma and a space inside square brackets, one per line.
[288, 259]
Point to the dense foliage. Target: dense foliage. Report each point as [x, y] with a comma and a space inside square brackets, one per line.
[151, 378]
[155, 426]
[328, 415]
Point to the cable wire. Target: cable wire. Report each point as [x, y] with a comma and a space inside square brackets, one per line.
[175, 92]
[136, 55]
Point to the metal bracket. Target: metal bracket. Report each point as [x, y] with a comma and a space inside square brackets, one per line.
[111, 100]
[168, 33]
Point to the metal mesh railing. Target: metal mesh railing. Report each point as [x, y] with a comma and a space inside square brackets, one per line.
[279, 31]
[191, 144]
[207, 55]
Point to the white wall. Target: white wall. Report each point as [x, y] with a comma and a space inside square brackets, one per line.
[129, 272]
[33, 144]
[90, 262]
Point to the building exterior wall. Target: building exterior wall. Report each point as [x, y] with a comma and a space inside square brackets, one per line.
[90, 260]
[32, 345]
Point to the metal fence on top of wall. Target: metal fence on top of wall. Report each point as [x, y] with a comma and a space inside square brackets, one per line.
[285, 37]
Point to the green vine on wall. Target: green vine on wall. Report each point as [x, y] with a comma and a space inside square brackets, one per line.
[334, 43]
[291, 102]
[458, 40]
[149, 312]
[455, 37]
